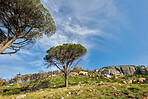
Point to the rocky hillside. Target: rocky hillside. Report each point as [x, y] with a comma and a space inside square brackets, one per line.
[123, 70]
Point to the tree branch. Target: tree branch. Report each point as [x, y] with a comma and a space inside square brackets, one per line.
[57, 66]
[25, 33]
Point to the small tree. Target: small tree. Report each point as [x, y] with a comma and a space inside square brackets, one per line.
[23, 78]
[17, 78]
[26, 77]
[11, 81]
[5, 82]
[1, 82]
[64, 57]
[21, 23]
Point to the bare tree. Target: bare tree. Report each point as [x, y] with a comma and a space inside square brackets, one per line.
[65, 57]
[21, 23]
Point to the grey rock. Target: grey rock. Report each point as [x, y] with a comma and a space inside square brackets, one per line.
[129, 81]
[115, 77]
[101, 83]
[123, 70]
[142, 79]
[62, 98]
[114, 88]
[124, 82]
[78, 67]
[20, 96]
[73, 74]
[83, 73]
[69, 93]
[108, 76]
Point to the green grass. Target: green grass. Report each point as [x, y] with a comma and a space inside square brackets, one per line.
[52, 88]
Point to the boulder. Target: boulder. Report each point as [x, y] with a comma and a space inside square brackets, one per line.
[79, 92]
[73, 73]
[83, 73]
[142, 79]
[62, 98]
[116, 77]
[114, 87]
[123, 70]
[129, 82]
[20, 96]
[124, 82]
[78, 67]
[108, 76]
[69, 93]
[101, 83]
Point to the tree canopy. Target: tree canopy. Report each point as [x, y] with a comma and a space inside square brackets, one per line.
[21, 23]
[64, 57]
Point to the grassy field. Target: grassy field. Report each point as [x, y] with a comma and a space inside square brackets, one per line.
[80, 87]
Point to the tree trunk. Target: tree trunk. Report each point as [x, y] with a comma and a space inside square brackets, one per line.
[66, 80]
[4, 47]
[1, 48]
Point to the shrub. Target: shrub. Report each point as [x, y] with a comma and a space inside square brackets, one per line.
[126, 91]
[12, 92]
[134, 89]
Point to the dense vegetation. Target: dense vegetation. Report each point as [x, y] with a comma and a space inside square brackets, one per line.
[80, 86]
[27, 77]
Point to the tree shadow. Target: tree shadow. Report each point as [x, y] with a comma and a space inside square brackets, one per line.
[31, 87]
[35, 85]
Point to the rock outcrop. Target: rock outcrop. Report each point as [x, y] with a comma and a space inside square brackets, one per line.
[123, 70]
[83, 73]
[78, 67]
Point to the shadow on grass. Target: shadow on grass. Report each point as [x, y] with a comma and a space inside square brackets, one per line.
[31, 87]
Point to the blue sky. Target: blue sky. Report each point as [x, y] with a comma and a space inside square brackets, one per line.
[113, 31]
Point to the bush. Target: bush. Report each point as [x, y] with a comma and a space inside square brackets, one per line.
[12, 92]
[126, 91]
[134, 89]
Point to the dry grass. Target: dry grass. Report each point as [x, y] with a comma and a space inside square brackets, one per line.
[91, 90]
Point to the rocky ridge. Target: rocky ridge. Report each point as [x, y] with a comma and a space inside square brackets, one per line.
[123, 70]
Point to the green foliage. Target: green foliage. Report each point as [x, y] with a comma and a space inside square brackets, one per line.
[5, 82]
[12, 92]
[134, 89]
[53, 87]
[144, 85]
[1, 82]
[126, 91]
[64, 56]
[65, 53]
[23, 21]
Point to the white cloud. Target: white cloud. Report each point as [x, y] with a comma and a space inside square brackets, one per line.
[55, 40]
[79, 20]
[76, 29]
[7, 57]
[26, 52]
[37, 63]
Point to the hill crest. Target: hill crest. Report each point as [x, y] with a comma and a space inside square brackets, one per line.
[123, 70]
